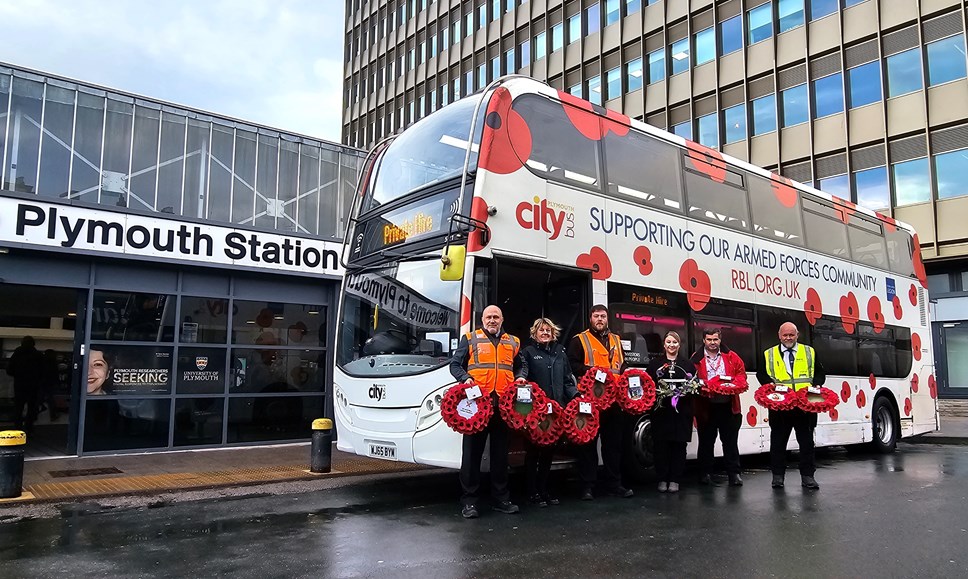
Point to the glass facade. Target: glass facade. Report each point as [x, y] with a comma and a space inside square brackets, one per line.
[951, 170]
[946, 60]
[71, 142]
[731, 35]
[828, 95]
[764, 114]
[735, 121]
[168, 370]
[904, 72]
[795, 106]
[760, 23]
[864, 84]
[912, 181]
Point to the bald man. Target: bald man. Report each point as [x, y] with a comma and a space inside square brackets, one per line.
[490, 358]
[796, 366]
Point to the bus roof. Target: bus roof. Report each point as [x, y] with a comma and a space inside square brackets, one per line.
[518, 85]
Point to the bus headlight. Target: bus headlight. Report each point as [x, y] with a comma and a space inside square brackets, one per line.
[429, 412]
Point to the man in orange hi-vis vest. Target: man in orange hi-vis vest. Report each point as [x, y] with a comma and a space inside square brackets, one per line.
[490, 358]
[597, 346]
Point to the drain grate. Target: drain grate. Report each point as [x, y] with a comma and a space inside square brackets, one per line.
[84, 472]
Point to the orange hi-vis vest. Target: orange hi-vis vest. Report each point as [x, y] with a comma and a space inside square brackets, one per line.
[597, 355]
[492, 368]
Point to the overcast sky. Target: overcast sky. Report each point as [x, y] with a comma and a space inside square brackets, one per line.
[273, 62]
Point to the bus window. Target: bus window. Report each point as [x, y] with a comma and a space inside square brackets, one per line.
[643, 168]
[875, 351]
[825, 231]
[836, 349]
[736, 337]
[642, 333]
[902, 350]
[867, 242]
[768, 321]
[719, 203]
[428, 152]
[774, 218]
[559, 152]
[900, 249]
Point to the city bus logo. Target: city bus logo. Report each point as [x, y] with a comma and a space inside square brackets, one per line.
[378, 392]
[554, 219]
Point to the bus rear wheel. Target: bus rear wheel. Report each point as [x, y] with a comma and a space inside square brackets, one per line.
[640, 464]
[885, 426]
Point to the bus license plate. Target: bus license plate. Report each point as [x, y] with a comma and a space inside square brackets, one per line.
[384, 451]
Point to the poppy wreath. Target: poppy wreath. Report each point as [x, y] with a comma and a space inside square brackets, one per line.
[766, 397]
[550, 424]
[601, 394]
[483, 410]
[717, 385]
[511, 409]
[579, 428]
[817, 403]
[640, 404]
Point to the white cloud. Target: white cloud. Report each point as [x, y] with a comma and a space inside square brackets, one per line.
[275, 63]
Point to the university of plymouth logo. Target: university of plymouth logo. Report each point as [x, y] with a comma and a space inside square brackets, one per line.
[201, 362]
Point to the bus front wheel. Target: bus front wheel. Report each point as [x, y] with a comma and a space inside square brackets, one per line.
[885, 423]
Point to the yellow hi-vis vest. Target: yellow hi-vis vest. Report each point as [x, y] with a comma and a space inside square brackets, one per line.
[803, 366]
[597, 355]
[492, 368]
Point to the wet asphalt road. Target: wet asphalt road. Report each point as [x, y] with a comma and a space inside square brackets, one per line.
[903, 515]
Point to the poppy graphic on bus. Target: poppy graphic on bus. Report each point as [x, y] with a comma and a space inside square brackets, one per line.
[554, 219]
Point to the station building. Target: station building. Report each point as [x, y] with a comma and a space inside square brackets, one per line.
[178, 269]
[864, 99]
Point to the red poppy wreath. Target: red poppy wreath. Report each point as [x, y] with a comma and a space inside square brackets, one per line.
[717, 385]
[520, 415]
[818, 403]
[579, 427]
[635, 399]
[463, 415]
[598, 385]
[770, 399]
[550, 424]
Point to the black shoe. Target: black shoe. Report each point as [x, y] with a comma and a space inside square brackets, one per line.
[620, 492]
[552, 500]
[506, 507]
[705, 480]
[735, 480]
[808, 482]
[778, 481]
[469, 512]
[586, 495]
[538, 500]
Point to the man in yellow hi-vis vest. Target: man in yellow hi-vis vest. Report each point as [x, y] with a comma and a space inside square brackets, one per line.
[795, 366]
[597, 346]
[490, 358]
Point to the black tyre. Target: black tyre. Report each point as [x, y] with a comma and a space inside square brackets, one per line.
[884, 419]
[638, 466]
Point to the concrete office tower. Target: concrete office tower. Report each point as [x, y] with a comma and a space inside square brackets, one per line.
[865, 99]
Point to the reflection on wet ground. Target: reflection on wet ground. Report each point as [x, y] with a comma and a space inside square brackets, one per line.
[899, 515]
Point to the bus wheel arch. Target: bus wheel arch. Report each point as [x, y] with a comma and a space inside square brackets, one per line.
[885, 423]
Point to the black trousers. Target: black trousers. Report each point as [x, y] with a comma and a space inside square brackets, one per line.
[616, 441]
[24, 397]
[721, 420]
[537, 464]
[472, 451]
[670, 460]
[800, 422]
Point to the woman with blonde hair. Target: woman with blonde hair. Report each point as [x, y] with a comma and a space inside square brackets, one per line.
[547, 366]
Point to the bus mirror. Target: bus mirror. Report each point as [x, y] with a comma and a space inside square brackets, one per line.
[452, 263]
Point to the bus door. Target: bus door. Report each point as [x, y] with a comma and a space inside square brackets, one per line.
[527, 291]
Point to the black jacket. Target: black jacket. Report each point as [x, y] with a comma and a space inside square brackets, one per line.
[668, 423]
[547, 366]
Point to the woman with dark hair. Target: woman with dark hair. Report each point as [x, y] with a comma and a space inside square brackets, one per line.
[546, 365]
[672, 415]
[98, 374]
